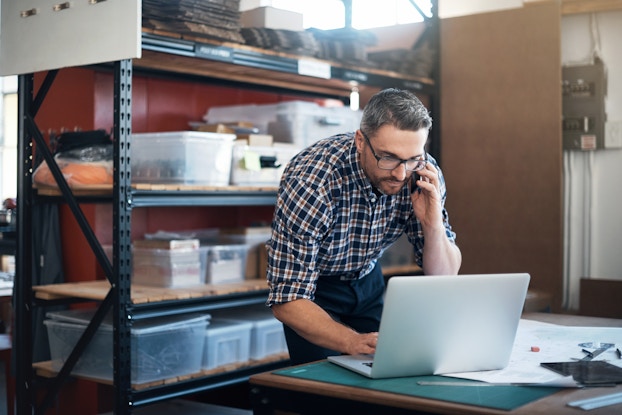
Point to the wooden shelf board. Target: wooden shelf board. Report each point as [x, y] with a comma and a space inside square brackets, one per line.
[191, 65]
[90, 190]
[141, 294]
[221, 70]
[202, 188]
[45, 369]
[106, 190]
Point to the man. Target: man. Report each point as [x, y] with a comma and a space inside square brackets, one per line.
[341, 203]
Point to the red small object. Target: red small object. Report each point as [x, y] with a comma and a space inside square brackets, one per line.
[535, 349]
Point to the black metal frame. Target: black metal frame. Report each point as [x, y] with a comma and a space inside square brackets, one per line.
[28, 133]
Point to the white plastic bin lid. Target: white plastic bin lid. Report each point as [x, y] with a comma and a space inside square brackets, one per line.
[82, 317]
[176, 135]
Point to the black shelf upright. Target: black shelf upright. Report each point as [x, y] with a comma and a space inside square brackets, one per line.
[118, 298]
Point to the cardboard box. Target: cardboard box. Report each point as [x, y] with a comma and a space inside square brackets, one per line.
[256, 139]
[272, 18]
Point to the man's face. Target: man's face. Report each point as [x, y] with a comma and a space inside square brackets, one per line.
[391, 142]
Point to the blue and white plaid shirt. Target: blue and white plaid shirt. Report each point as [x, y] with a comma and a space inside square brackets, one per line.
[329, 221]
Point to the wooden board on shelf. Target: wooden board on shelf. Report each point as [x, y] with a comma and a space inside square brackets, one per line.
[45, 369]
[97, 290]
[106, 189]
[252, 74]
[86, 190]
[262, 51]
[203, 188]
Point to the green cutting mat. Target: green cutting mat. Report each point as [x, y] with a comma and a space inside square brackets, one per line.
[498, 397]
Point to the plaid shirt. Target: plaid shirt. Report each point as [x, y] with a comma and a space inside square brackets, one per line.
[329, 221]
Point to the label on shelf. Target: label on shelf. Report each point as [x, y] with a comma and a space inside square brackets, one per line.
[218, 53]
[314, 68]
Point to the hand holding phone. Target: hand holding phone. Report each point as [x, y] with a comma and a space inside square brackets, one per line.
[413, 183]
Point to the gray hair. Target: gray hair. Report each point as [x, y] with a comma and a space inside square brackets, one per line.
[399, 108]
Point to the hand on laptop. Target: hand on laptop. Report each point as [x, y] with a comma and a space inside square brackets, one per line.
[315, 325]
[363, 343]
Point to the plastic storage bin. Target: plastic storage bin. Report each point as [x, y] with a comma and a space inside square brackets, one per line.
[223, 263]
[161, 348]
[186, 407]
[304, 123]
[260, 165]
[298, 122]
[267, 335]
[184, 157]
[255, 239]
[226, 342]
[168, 268]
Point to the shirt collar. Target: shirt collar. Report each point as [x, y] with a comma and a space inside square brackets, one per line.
[359, 174]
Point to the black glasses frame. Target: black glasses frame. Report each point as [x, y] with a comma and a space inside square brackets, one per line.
[394, 160]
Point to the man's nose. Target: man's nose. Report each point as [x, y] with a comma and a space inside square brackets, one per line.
[400, 172]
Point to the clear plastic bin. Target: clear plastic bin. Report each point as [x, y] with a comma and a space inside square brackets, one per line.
[166, 268]
[183, 157]
[303, 125]
[298, 122]
[161, 348]
[164, 257]
[182, 275]
[267, 335]
[226, 342]
[223, 263]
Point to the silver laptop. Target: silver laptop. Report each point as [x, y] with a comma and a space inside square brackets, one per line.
[444, 324]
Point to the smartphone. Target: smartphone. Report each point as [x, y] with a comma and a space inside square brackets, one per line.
[413, 182]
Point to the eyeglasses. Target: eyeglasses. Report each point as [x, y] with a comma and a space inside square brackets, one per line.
[391, 163]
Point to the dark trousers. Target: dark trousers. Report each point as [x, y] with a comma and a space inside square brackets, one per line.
[357, 304]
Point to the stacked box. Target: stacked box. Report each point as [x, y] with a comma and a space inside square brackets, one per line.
[168, 268]
[161, 348]
[222, 258]
[183, 157]
[273, 18]
[226, 342]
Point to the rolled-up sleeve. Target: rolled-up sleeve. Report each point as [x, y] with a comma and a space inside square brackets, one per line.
[300, 221]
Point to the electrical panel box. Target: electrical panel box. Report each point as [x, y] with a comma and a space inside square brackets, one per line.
[583, 104]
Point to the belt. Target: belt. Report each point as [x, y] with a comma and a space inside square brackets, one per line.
[359, 275]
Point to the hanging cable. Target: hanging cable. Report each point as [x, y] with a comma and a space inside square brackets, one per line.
[567, 228]
[595, 37]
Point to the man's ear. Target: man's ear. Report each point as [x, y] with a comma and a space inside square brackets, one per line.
[358, 140]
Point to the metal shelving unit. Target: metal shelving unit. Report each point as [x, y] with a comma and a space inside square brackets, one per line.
[181, 58]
